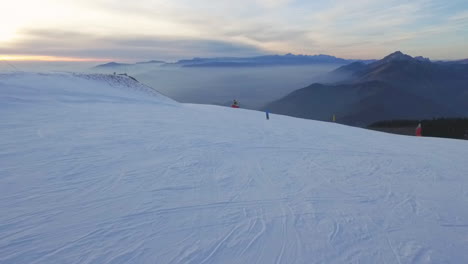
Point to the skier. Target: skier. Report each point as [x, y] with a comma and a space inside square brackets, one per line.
[235, 104]
[419, 130]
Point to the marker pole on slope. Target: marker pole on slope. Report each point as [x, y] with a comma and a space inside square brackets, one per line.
[267, 113]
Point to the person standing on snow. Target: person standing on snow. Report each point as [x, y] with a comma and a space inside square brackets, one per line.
[235, 104]
[419, 130]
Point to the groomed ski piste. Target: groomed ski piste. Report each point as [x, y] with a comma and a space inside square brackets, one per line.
[103, 169]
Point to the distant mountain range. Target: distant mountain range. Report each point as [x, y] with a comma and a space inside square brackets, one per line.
[259, 61]
[112, 65]
[119, 65]
[151, 62]
[396, 87]
[268, 60]
[465, 61]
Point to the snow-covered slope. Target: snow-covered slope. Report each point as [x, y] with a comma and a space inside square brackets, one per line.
[102, 169]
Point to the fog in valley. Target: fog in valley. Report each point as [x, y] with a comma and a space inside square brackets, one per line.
[253, 87]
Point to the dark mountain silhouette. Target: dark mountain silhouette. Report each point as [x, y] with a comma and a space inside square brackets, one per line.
[117, 64]
[262, 61]
[112, 65]
[396, 87]
[464, 61]
[151, 62]
[259, 61]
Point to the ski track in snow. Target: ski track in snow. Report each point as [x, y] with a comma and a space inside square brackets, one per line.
[102, 169]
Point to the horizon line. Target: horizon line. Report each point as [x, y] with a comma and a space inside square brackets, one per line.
[52, 58]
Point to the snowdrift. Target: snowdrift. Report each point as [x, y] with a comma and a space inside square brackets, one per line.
[103, 169]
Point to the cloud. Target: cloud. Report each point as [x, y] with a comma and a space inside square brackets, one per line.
[274, 3]
[460, 16]
[378, 27]
[352, 29]
[138, 47]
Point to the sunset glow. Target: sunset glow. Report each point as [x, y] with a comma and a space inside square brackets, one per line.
[6, 34]
[90, 30]
[49, 58]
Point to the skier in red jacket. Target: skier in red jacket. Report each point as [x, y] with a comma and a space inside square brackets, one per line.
[419, 131]
[235, 104]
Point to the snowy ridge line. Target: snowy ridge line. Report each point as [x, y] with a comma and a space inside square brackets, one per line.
[120, 80]
[60, 86]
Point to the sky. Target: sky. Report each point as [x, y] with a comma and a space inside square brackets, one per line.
[129, 31]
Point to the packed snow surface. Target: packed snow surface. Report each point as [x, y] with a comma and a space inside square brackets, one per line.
[102, 169]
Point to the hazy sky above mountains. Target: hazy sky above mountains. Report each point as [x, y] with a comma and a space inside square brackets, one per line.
[174, 29]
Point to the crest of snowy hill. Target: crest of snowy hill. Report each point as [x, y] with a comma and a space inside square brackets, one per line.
[75, 88]
[102, 169]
